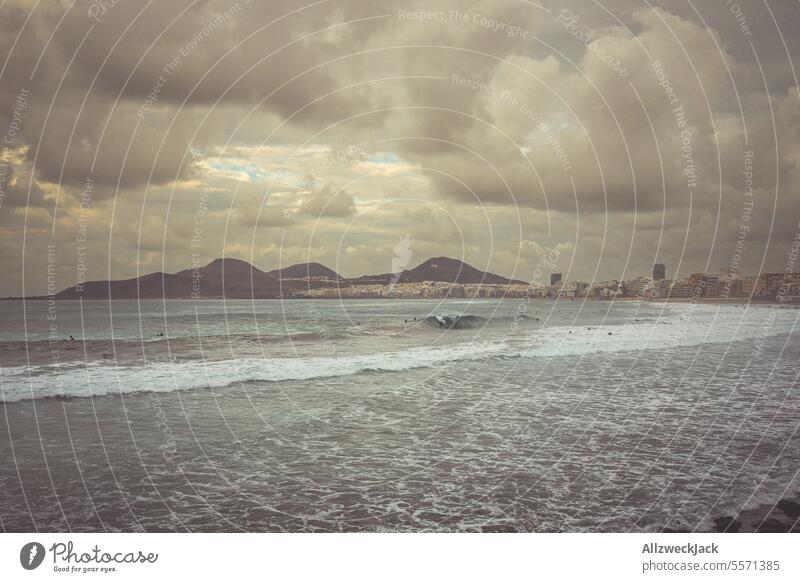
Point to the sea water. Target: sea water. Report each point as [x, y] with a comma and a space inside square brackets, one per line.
[394, 415]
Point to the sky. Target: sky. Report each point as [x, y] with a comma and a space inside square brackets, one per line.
[592, 138]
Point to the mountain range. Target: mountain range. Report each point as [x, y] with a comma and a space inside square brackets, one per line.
[237, 279]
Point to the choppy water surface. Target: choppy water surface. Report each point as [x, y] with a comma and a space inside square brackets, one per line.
[396, 415]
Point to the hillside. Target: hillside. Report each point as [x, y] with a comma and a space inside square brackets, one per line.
[237, 279]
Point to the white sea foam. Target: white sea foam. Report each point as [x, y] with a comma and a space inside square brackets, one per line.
[703, 326]
[20, 383]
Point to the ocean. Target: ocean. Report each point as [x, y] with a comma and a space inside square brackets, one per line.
[398, 415]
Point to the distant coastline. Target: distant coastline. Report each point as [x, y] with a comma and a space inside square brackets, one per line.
[435, 278]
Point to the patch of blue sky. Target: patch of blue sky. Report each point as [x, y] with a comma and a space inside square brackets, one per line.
[384, 158]
[253, 172]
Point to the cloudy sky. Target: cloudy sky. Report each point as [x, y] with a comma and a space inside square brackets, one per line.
[601, 136]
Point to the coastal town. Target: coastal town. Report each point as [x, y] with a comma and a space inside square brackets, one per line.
[781, 287]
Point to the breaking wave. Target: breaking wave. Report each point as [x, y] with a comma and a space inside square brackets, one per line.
[455, 321]
[99, 378]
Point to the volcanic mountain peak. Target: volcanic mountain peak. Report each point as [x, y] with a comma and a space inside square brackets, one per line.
[453, 271]
[441, 262]
[440, 269]
[303, 270]
[229, 266]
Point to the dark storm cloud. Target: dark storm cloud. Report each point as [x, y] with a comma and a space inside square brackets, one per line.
[96, 80]
[327, 202]
[513, 108]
